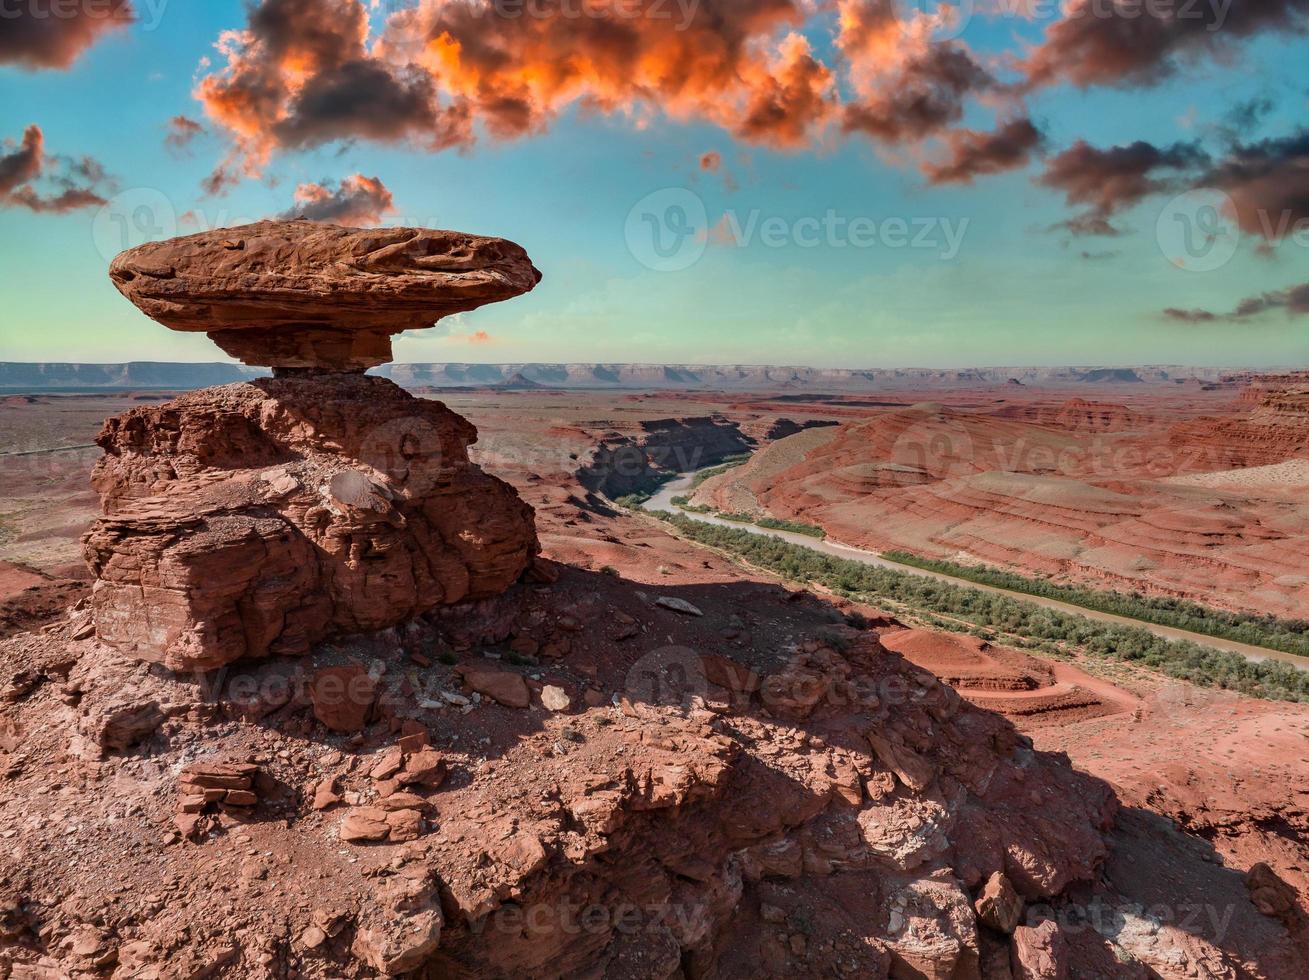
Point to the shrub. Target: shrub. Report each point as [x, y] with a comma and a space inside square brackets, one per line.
[954, 607]
[1256, 629]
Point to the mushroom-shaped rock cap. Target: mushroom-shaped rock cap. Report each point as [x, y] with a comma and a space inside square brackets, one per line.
[296, 294]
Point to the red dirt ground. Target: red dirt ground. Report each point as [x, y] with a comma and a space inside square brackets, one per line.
[1211, 783]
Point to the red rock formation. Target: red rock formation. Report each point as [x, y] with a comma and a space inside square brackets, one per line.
[1076, 414]
[296, 294]
[1277, 429]
[255, 519]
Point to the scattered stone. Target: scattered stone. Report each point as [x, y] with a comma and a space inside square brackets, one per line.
[400, 925]
[392, 760]
[343, 697]
[405, 825]
[542, 571]
[426, 767]
[402, 800]
[214, 793]
[1039, 952]
[524, 646]
[365, 824]
[678, 605]
[325, 794]
[414, 741]
[502, 686]
[999, 905]
[124, 724]
[555, 698]
[1270, 894]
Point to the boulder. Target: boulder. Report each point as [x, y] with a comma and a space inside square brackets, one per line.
[400, 925]
[298, 294]
[555, 698]
[1270, 894]
[343, 697]
[503, 686]
[1039, 952]
[998, 905]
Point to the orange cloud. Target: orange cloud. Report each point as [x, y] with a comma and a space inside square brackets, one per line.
[357, 200]
[441, 73]
[38, 36]
[181, 131]
[32, 179]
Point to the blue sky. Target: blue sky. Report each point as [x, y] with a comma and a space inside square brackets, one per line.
[1010, 293]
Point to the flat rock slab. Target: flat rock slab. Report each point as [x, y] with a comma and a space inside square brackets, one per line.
[303, 295]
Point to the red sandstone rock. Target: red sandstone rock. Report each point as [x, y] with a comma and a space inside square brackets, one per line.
[503, 686]
[256, 519]
[1269, 893]
[401, 927]
[1039, 953]
[364, 824]
[343, 697]
[426, 767]
[298, 294]
[998, 905]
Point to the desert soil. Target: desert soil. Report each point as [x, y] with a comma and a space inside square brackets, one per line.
[1210, 783]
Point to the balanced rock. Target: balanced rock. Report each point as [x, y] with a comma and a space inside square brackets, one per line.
[256, 519]
[296, 294]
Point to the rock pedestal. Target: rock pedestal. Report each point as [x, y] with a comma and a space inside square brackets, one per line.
[255, 519]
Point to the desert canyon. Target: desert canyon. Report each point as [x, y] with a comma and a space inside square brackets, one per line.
[357, 688]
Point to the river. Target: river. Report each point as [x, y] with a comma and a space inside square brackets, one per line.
[663, 500]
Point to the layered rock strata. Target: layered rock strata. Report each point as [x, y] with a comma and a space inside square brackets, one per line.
[296, 294]
[255, 519]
